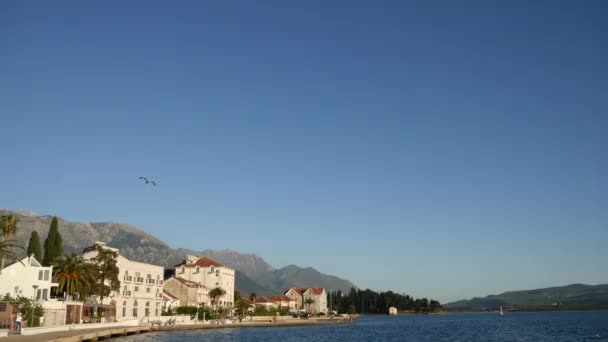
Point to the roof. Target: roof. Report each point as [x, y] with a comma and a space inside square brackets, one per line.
[271, 299]
[186, 282]
[316, 290]
[298, 290]
[166, 293]
[201, 262]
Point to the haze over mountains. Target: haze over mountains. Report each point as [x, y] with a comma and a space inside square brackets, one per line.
[253, 274]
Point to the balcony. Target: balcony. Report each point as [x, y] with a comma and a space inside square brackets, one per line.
[126, 293]
[150, 281]
[159, 295]
[128, 278]
[160, 282]
[139, 280]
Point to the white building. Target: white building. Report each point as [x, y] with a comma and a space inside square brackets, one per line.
[392, 310]
[141, 287]
[210, 274]
[27, 278]
[301, 294]
[319, 298]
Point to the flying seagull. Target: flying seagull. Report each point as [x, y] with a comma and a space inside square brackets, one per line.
[148, 181]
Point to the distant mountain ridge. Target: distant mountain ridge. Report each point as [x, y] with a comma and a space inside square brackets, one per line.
[569, 297]
[253, 274]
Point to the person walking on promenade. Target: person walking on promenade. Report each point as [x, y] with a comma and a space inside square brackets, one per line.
[18, 323]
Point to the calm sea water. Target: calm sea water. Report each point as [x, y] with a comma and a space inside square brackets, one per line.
[487, 327]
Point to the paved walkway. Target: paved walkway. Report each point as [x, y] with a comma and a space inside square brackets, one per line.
[244, 324]
[54, 335]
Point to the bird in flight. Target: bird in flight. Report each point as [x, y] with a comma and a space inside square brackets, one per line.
[148, 181]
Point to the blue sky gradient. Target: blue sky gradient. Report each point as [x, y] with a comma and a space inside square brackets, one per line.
[440, 148]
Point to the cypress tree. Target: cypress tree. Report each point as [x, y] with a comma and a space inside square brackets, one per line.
[34, 246]
[53, 244]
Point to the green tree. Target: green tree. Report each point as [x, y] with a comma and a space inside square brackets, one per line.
[309, 302]
[74, 275]
[242, 306]
[34, 247]
[105, 272]
[214, 294]
[53, 244]
[30, 310]
[8, 228]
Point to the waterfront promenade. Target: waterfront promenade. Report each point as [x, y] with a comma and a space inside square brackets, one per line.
[111, 332]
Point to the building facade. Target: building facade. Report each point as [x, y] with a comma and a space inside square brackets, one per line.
[295, 294]
[276, 302]
[27, 278]
[187, 293]
[319, 300]
[141, 287]
[210, 274]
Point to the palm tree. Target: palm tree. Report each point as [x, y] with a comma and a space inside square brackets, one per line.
[8, 228]
[309, 302]
[74, 275]
[214, 294]
[7, 250]
[242, 308]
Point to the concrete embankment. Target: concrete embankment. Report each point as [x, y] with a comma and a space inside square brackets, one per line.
[103, 334]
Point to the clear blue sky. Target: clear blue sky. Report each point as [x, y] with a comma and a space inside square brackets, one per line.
[447, 149]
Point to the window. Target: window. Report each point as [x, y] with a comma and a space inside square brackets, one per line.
[135, 309]
[45, 294]
[46, 275]
[3, 307]
[197, 269]
[136, 289]
[147, 289]
[40, 275]
[147, 311]
[124, 308]
[149, 276]
[39, 294]
[183, 269]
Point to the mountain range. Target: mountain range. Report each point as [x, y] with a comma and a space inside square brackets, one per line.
[569, 297]
[253, 273]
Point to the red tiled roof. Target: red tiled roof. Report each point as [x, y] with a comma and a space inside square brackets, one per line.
[280, 298]
[201, 262]
[271, 299]
[316, 290]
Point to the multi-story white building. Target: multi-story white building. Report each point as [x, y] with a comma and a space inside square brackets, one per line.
[27, 278]
[141, 287]
[210, 274]
[319, 298]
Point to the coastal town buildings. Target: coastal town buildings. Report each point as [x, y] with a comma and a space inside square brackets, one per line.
[317, 294]
[275, 302]
[186, 292]
[141, 293]
[210, 274]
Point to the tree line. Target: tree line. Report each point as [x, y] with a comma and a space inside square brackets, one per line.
[370, 302]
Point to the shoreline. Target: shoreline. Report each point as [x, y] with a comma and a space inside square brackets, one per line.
[117, 332]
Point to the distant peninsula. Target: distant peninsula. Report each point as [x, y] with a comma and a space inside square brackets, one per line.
[569, 297]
